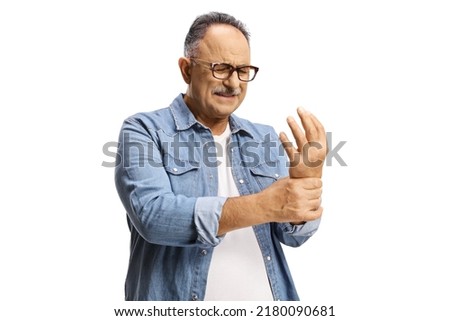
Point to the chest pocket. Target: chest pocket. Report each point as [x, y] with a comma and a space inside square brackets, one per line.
[183, 175]
[265, 174]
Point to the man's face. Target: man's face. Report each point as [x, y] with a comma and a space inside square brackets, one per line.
[212, 100]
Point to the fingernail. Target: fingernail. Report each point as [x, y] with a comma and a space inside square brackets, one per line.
[301, 110]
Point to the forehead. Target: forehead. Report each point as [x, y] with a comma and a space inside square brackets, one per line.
[224, 43]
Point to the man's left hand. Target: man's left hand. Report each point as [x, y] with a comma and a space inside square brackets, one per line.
[307, 159]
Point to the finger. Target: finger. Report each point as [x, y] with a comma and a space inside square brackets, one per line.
[311, 215]
[322, 137]
[310, 183]
[314, 194]
[298, 133]
[308, 124]
[314, 214]
[288, 146]
[315, 204]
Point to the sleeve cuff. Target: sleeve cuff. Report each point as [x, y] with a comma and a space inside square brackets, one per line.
[305, 229]
[207, 214]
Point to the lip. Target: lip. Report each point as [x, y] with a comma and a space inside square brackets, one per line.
[226, 99]
[226, 96]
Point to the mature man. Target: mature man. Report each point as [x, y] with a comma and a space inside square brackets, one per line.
[209, 196]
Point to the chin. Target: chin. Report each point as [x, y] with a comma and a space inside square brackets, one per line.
[227, 108]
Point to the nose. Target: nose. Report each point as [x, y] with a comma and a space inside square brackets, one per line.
[233, 81]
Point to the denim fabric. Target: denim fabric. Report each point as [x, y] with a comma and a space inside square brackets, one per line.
[166, 177]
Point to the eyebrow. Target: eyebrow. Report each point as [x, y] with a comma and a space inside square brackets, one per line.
[231, 64]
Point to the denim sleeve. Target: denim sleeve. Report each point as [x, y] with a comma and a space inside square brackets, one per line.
[296, 235]
[205, 209]
[159, 215]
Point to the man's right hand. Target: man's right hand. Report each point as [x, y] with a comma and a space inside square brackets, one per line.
[293, 200]
[288, 200]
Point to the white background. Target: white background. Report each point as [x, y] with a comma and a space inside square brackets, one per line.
[376, 73]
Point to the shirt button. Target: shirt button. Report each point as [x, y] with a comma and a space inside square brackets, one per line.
[268, 258]
[204, 252]
[241, 181]
[194, 297]
[276, 175]
[175, 169]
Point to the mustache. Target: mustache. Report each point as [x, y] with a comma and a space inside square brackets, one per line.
[227, 91]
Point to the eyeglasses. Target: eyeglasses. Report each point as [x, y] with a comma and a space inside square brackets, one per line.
[224, 71]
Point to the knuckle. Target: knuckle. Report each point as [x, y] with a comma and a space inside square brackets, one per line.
[314, 183]
[318, 183]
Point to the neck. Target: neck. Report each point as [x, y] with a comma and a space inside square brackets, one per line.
[217, 126]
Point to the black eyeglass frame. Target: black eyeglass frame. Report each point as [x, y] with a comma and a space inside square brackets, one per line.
[213, 67]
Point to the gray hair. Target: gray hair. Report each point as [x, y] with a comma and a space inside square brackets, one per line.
[202, 23]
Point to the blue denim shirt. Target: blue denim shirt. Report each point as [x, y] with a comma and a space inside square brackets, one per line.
[166, 177]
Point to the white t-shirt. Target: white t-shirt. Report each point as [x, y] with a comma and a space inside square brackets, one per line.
[237, 270]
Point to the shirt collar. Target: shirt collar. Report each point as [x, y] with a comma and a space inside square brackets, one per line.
[184, 118]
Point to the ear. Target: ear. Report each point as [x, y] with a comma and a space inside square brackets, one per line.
[185, 68]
